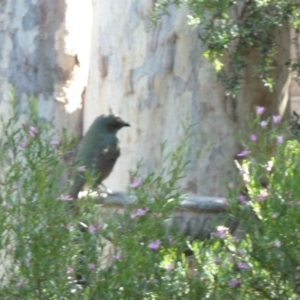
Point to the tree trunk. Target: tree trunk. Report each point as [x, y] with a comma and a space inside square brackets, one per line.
[158, 78]
[45, 54]
[153, 76]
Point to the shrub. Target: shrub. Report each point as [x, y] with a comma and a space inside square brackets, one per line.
[44, 254]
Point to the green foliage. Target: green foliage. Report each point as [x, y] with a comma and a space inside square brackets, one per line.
[269, 212]
[131, 255]
[234, 29]
[44, 255]
[33, 220]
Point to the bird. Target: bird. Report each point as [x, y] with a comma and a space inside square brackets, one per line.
[97, 152]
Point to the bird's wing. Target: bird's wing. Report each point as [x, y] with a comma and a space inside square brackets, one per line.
[98, 155]
[104, 161]
[84, 157]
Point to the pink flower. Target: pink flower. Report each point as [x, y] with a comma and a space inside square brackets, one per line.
[234, 283]
[136, 183]
[19, 283]
[276, 119]
[54, 143]
[253, 137]
[32, 131]
[23, 144]
[263, 124]
[279, 139]
[242, 266]
[65, 197]
[117, 256]
[243, 153]
[70, 270]
[91, 267]
[221, 232]
[81, 169]
[139, 212]
[262, 196]
[93, 229]
[154, 245]
[260, 110]
[241, 198]
[217, 260]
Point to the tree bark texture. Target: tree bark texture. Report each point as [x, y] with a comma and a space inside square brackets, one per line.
[109, 55]
[44, 54]
[156, 77]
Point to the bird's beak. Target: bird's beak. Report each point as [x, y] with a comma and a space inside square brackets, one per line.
[126, 124]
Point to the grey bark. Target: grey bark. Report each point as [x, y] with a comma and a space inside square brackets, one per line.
[153, 76]
[156, 77]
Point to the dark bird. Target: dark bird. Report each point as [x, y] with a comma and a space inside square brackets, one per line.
[98, 151]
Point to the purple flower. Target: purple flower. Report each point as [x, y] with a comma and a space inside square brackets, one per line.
[262, 196]
[279, 139]
[221, 232]
[259, 110]
[276, 119]
[253, 137]
[93, 229]
[81, 169]
[154, 245]
[234, 283]
[91, 267]
[65, 197]
[32, 131]
[263, 124]
[23, 144]
[70, 270]
[117, 256]
[242, 266]
[277, 244]
[54, 143]
[241, 198]
[136, 183]
[139, 212]
[217, 260]
[19, 283]
[243, 153]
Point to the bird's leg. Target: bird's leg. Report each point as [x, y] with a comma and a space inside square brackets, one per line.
[103, 190]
